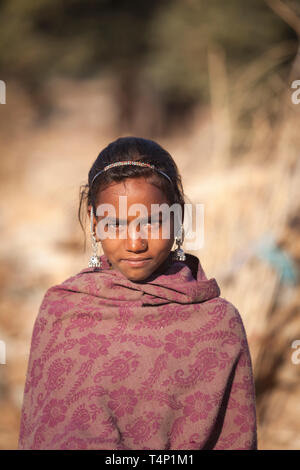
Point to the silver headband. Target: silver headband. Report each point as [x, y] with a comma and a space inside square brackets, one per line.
[129, 162]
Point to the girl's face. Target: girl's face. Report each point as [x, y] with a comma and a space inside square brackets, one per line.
[136, 257]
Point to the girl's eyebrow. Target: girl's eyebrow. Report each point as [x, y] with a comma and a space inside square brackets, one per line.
[157, 216]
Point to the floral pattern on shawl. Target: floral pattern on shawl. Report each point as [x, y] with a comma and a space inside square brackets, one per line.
[115, 364]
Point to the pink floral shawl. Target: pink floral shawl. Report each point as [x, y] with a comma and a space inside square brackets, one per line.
[117, 364]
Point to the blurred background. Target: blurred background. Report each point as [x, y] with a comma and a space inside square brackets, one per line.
[211, 82]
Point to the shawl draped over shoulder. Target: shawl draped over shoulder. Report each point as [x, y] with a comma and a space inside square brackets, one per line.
[157, 364]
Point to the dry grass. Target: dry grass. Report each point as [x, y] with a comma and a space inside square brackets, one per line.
[245, 200]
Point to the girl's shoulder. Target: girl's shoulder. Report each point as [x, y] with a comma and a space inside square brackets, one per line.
[227, 317]
[59, 296]
[69, 284]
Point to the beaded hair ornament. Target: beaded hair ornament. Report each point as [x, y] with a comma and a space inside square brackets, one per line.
[130, 162]
[95, 261]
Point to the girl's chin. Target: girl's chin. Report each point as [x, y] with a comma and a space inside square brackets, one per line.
[136, 275]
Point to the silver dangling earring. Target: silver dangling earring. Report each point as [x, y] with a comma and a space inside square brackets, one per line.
[179, 254]
[95, 261]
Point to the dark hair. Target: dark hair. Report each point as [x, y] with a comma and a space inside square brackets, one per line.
[136, 149]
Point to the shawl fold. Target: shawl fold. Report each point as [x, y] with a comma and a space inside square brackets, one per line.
[157, 364]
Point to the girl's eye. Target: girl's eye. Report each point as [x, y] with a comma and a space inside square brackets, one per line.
[116, 225]
[156, 222]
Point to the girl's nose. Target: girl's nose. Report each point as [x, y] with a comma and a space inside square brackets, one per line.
[135, 241]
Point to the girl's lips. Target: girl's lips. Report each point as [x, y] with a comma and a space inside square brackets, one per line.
[136, 263]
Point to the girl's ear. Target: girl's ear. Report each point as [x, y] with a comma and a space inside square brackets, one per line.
[94, 224]
[89, 213]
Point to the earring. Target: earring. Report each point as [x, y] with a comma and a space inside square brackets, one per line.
[179, 254]
[95, 261]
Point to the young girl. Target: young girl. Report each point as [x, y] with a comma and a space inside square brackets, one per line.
[137, 351]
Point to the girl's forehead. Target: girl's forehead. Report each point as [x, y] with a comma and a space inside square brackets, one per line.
[135, 190]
